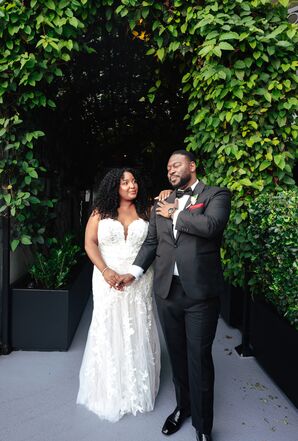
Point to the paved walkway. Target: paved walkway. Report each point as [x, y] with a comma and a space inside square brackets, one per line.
[38, 393]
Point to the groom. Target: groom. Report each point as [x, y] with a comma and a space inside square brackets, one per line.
[184, 238]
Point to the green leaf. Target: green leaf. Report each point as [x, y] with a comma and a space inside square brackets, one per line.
[151, 97]
[174, 45]
[264, 165]
[183, 28]
[119, 9]
[74, 22]
[229, 36]
[51, 104]
[288, 180]
[226, 46]
[291, 32]
[279, 161]
[205, 50]
[14, 244]
[253, 124]
[124, 12]
[240, 74]
[200, 116]
[284, 43]
[34, 200]
[7, 198]
[12, 29]
[26, 240]
[186, 77]
[50, 4]
[150, 51]
[145, 12]
[32, 173]
[268, 96]
[247, 182]
[160, 53]
[9, 44]
[217, 51]
[238, 93]
[240, 65]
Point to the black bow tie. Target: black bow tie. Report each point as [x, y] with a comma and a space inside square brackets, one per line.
[188, 191]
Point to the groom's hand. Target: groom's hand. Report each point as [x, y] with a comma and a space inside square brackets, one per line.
[124, 280]
[166, 209]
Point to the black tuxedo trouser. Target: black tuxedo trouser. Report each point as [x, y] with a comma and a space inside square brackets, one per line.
[189, 327]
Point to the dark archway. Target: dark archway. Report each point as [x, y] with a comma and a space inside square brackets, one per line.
[100, 121]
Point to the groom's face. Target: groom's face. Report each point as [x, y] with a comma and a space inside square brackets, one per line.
[180, 170]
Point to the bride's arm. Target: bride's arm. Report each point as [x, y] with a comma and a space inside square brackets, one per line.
[164, 194]
[91, 242]
[93, 252]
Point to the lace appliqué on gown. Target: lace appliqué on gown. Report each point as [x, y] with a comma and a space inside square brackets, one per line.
[121, 363]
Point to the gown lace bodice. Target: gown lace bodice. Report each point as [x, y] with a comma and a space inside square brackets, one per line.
[117, 250]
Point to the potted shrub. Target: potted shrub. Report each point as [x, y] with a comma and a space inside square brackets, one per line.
[273, 236]
[46, 308]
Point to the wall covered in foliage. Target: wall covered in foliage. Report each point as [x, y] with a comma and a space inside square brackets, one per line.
[238, 68]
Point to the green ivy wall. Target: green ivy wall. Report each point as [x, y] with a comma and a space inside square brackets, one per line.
[238, 64]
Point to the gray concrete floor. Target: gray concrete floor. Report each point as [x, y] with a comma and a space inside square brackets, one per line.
[38, 399]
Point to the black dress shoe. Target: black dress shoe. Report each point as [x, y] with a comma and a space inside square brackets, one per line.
[174, 421]
[203, 436]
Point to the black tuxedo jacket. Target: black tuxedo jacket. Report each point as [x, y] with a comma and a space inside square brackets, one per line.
[196, 248]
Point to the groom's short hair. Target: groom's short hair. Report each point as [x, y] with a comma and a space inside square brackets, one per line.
[189, 155]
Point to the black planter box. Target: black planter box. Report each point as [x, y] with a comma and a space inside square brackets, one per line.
[231, 310]
[46, 320]
[275, 344]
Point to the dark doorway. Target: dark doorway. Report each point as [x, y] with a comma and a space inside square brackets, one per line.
[100, 121]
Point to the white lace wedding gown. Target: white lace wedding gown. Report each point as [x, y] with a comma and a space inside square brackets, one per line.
[121, 364]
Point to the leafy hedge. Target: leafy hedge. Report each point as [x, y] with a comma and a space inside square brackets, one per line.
[238, 66]
[273, 240]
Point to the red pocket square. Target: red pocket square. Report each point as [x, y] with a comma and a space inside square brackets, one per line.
[193, 207]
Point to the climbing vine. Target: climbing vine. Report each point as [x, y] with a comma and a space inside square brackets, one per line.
[37, 39]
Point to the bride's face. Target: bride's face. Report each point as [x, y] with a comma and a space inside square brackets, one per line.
[128, 188]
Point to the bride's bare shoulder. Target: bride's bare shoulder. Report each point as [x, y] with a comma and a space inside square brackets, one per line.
[94, 218]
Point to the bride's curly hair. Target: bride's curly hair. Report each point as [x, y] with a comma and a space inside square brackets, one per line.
[108, 200]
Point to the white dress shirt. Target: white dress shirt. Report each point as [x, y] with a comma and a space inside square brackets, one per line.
[137, 271]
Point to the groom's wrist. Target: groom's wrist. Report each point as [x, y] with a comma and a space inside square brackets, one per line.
[136, 271]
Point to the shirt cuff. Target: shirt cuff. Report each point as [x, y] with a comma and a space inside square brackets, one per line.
[136, 271]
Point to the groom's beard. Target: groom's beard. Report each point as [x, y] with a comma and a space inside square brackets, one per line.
[183, 181]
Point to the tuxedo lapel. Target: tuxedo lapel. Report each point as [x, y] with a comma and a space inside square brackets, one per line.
[197, 191]
[172, 197]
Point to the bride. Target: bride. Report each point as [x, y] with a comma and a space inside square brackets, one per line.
[121, 363]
